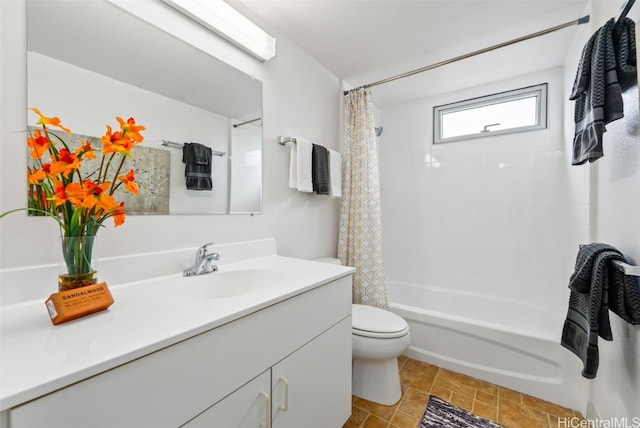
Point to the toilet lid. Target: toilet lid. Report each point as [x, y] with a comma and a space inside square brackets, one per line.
[375, 322]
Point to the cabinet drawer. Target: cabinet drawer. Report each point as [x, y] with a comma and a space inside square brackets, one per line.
[171, 386]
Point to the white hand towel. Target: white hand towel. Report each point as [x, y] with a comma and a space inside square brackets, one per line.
[304, 180]
[293, 162]
[335, 174]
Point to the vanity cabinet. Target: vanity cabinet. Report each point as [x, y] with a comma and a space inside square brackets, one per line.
[296, 392]
[218, 377]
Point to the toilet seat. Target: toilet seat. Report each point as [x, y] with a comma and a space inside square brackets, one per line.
[369, 321]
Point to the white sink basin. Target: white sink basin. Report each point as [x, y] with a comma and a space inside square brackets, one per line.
[226, 284]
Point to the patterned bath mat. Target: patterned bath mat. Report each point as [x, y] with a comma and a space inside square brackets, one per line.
[440, 414]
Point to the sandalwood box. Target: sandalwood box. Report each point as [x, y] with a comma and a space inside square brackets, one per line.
[67, 305]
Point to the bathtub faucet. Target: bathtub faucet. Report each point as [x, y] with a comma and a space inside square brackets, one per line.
[204, 262]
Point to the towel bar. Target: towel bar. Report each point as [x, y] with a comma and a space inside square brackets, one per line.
[179, 146]
[627, 268]
[285, 140]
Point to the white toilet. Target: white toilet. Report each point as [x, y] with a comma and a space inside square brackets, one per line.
[378, 338]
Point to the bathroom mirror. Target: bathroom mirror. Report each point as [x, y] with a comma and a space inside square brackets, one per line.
[89, 61]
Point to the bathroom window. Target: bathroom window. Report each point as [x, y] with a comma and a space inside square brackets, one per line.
[519, 110]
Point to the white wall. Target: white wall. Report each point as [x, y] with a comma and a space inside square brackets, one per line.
[614, 182]
[486, 215]
[300, 98]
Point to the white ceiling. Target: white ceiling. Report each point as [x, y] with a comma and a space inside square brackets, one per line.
[363, 41]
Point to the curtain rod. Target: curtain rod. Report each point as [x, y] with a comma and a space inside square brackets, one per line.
[247, 122]
[579, 21]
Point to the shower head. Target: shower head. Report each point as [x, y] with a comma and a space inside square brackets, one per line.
[378, 130]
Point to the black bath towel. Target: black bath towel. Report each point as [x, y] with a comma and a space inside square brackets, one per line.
[597, 286]
[624, 41]
[197, 159]
[597, 94]
[320, 169]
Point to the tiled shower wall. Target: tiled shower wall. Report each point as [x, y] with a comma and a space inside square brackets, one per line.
[495, 215]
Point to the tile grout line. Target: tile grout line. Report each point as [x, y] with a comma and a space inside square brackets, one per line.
[473, 401]
[434, 382]
[498, 405]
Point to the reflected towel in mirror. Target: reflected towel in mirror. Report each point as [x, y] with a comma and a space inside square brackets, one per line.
[197, 171]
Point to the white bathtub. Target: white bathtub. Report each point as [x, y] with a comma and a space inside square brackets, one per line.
[499, 340]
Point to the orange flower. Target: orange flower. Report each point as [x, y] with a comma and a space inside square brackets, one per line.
[85, 151]
[72, 193]
[66, 163]
[75, 193]
[97, 196]
[38, 175]
[39, 144]
[116, 142]
[129, 182]
[51, 121]
[59, 195]
[118, 214]
[129, 128]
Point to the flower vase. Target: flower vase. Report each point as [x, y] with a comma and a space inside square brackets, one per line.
[76, 267]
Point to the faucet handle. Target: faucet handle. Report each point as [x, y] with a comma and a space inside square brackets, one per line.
[202, 251]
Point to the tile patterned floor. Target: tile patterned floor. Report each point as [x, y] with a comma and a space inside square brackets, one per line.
[419, 380]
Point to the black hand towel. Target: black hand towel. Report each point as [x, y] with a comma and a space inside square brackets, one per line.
[320, 169]
[197, 170]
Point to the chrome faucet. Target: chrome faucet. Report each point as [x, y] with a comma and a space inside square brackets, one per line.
[204, 262]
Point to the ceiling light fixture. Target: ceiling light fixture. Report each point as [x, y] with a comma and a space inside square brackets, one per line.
[219, 17]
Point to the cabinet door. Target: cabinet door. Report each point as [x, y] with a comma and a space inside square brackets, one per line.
[312, 386]
[246, 407]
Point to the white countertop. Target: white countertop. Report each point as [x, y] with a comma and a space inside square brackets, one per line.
[37, 357]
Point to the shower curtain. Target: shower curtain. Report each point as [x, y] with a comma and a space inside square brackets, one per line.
[360, 233]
